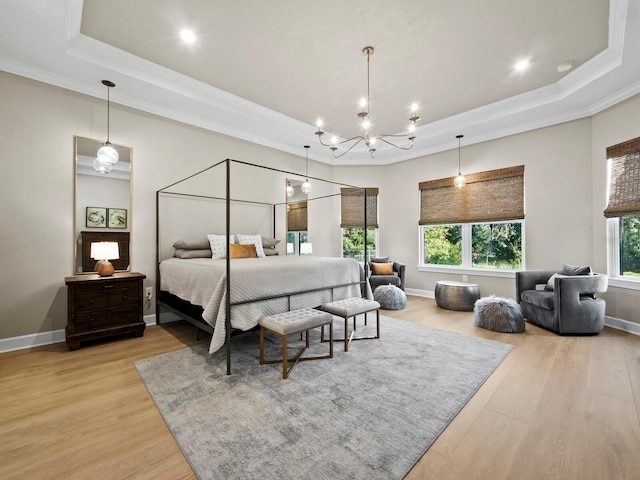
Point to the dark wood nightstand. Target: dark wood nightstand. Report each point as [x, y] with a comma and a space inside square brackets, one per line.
[100, 307]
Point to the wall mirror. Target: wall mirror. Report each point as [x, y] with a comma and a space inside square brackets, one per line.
[102, 205]
[296, 216]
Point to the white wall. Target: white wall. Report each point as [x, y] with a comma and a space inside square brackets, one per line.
[564, 193]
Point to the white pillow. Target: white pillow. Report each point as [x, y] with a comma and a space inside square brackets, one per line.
[218, 245]
[255, 239]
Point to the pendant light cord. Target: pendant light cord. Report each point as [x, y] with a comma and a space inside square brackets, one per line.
[459, 137]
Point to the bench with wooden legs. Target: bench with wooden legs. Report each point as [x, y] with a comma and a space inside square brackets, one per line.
[351, 307]
[290, 323]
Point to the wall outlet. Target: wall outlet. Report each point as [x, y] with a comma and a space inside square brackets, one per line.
[149, 293]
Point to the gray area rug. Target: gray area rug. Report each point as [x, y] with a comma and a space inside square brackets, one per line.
[369, 413]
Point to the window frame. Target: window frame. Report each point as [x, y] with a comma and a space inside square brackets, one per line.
[613, 258]
[467, 267]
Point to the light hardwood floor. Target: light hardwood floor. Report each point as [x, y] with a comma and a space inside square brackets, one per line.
[556, 408]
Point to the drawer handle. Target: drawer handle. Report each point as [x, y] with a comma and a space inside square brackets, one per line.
[91, 320]
[108, 286]
[93, 300]
[124, 297]
[125, 315]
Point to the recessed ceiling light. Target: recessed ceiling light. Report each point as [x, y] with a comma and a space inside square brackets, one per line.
[521, 65]
[565, 66]
[188, 36]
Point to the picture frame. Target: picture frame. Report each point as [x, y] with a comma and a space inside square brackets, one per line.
[117, 217]
[96, 217]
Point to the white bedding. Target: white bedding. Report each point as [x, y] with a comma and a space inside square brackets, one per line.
[202, 281]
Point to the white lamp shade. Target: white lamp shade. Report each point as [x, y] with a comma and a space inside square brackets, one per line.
[107, 154]
[306, 248]
[101, 167]
[105, 251]
[306, 187]
[290, 191]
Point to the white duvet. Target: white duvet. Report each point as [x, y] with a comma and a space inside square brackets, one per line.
[202, 281]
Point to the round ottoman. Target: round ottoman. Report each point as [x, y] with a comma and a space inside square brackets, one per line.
[390, 297]
[499, 315]
[456, 295]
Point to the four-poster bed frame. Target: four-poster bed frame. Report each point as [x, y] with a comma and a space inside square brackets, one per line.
[189, 312]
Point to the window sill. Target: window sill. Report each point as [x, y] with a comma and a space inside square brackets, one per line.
[479, 272]
[624, 283]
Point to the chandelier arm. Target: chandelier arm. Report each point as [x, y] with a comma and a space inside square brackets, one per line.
[394, 145]
[357, 137]
[360, 139]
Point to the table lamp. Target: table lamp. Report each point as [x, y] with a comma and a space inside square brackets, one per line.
[306, 248]
[103, 252]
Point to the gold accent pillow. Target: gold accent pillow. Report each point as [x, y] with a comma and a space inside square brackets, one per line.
[243, 251]
[382, 268]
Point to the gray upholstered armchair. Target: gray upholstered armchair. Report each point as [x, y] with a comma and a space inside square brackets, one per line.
[395, 276]
[571, 307]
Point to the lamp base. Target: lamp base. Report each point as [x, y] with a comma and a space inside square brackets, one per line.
[104, 268]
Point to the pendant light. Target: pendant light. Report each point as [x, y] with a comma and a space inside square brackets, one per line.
[107, 156]
[306, 186]
[290, 190]
[460, 181]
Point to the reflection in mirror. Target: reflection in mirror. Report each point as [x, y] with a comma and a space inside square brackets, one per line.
[296, 216]
[102, 205]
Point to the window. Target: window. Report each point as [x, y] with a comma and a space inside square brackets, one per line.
[623, 212]
[352, 215]
[478, 226]
[629, 246]
[496, 245]
[352, 242]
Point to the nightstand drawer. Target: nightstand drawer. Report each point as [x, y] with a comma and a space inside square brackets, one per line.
[92, 320]
[91, 300]
[124, 315]
[124, 296]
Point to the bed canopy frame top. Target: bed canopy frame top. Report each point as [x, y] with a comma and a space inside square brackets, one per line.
[229, 200]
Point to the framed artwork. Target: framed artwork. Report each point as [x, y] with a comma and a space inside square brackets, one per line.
[117, 217]
[96, 217]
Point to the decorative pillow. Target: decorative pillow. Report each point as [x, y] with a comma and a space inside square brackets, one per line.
[382, 268]
[573, 270]
[242, 251]
[183, 253]
[194, 244]
[255, 239]
[269, 242]
[379, 259]
[550, 282]
[219, 246]
[269, 252]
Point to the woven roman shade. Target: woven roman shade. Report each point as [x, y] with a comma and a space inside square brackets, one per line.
[297, 217]
[624, 180]
[352, 207]
[488, 196]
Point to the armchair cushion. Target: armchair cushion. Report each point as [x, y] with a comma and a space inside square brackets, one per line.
[539, 298]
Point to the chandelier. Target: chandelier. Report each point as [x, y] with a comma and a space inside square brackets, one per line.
[370, 139]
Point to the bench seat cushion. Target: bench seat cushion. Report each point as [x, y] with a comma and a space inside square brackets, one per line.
[350, 306]
[295, 321]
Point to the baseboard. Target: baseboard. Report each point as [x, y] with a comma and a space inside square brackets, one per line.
[420, 293]
[620, 324]
[32, 340]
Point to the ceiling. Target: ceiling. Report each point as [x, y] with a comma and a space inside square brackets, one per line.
[265, 71]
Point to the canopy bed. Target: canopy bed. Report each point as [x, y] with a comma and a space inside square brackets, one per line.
[219, 295]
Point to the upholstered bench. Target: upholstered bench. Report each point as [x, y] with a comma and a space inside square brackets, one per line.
[290, 323]
[351, 307]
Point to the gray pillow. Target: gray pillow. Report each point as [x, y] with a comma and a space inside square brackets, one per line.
[573, 270]
[551, 281]
[269, 242]
[270, 252]
[193, 244]
[379, 259]
[185, 253]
